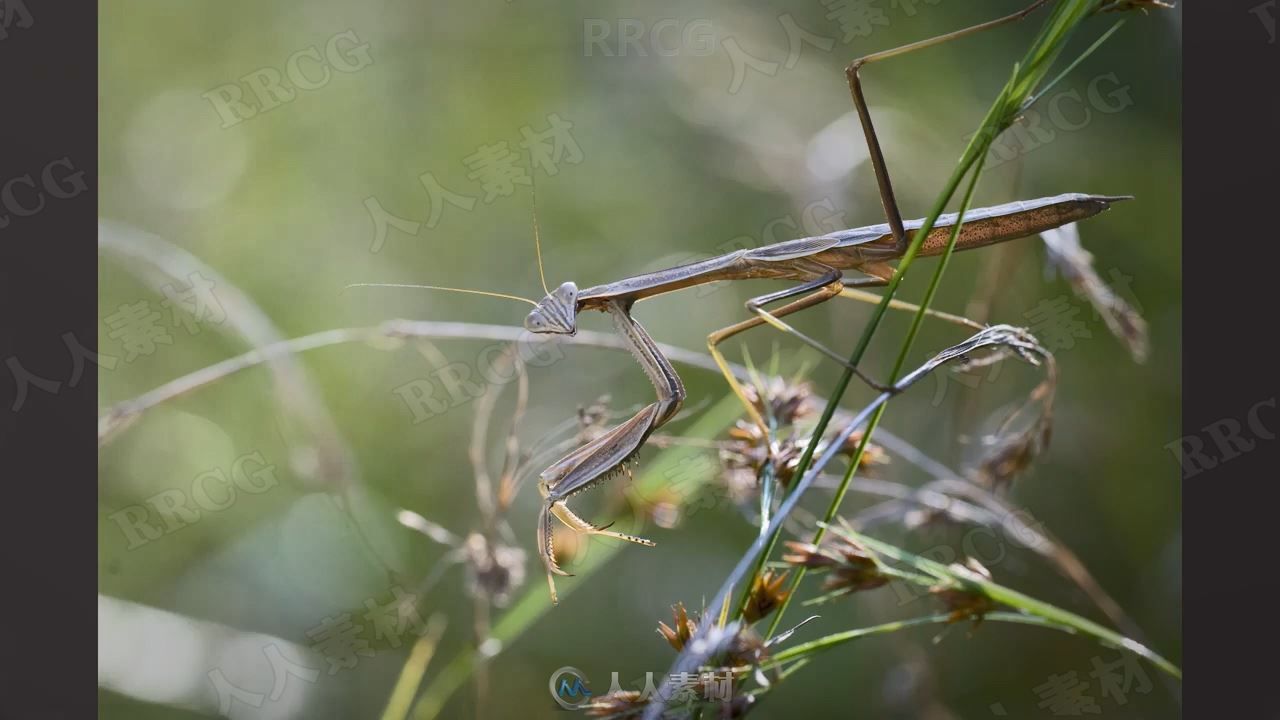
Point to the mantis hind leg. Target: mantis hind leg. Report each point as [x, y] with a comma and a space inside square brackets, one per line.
[852, 291]
[887, 198]
[820, 290]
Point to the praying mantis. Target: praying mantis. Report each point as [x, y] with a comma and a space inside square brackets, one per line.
[816, 263]
[817, 266]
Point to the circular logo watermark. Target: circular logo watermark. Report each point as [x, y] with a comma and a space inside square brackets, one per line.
[570, 688]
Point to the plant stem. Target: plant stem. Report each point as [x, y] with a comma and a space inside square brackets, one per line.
[901, 360]
[1015, 599]
[414, 668]
[840, 638]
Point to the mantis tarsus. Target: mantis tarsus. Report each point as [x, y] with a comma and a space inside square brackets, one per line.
[815, 263]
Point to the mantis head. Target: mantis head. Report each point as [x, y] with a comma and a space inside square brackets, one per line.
[557, 313]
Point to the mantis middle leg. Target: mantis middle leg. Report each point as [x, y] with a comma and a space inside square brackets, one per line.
[851, 72]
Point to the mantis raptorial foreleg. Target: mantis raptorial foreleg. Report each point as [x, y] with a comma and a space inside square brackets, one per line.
[609, 454]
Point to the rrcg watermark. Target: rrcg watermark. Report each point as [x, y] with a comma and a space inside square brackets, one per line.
[307, 69]
[1230, 439]
[631, 37]
[64, 185]
[1065, 112]
[211, 491]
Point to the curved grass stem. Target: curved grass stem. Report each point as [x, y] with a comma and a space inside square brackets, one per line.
[1014, 599]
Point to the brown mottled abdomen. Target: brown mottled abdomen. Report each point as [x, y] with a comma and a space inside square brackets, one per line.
[1011, 221]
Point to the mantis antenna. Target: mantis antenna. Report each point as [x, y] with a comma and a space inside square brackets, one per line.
[441, 287]
[537, 246]
[537, 240]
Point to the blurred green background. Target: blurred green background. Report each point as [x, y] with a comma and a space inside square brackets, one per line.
[684, 128]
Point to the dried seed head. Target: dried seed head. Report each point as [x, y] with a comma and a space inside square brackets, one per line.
[785, 401]
[620, 704]
[851, 567]
[1010, 457]
[808, 555]
[1007, 454]
[738, 707]
[630, 703]
[741, 484]
[964, 602]
[750, 451]
[766, 595]
[747, 447]
[742, 458]
[792, 450]
[494, 570]
[1076, 265]
[872, 454]
[745, 455]
[684, 628]
[745, 648]
[926, 517]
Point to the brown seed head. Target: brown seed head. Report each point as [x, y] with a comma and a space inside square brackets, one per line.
[624, 703]
[1009, 456]
[872, 454]
[746, 648]
[766, 595]
[684, 628]
[851, 568]
[963, 602]
[786, 401]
